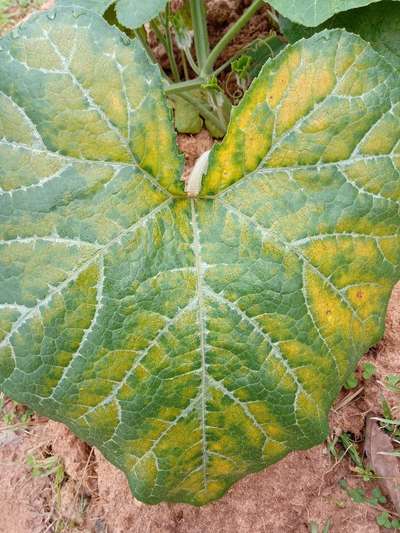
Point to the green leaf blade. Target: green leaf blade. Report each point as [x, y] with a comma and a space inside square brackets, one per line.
[325, 113]
[97, 6]
[77, 73]
[378, 24]
[193, 341]
[296, 143]
[314, 12]
[135, 14]
[130, 13]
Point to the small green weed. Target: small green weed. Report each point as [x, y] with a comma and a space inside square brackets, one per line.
[13, 415]
[351, 382]
[392, 383]
[44, 467]
[384, 520]
[389, 422]
[376, 499]
[52, 467]
[350, 448]
[368, 371]
[358, 494]
[314, 527]
[5, 17]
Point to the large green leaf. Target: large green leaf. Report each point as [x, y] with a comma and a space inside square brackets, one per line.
[379, 24]
[191, 340]
[134, 13]
[131, 13]
[97, 6]
[314, 12]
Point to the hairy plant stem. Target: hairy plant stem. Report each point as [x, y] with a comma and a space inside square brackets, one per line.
[207, 67]
[170, 46]
[159, 34]
[227, 63]
[185, 66]
[191, 61]
[174, 88]
[199, 21]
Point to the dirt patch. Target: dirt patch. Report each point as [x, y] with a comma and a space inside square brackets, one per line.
[286, 497]
[24, 501]
[192, 146]
[221, 14]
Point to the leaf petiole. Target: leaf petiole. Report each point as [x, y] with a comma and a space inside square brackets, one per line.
[189, 85]
[229, 36]
[169, 44]
[199, 21]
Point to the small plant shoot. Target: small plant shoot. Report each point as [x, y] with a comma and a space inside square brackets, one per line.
[199, 332]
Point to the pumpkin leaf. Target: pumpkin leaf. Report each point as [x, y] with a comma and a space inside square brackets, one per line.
[97, 6]
[130, 13]
[261, 50]
[379, 24]
[192, 340]
[134, 13]
[187, 117]
[314, 12]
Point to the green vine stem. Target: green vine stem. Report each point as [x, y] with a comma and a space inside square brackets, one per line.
[191, 61]
[207, 67]
[199, 21]
[265, 41]
[185, 65]
[169, 45]
[181, 87]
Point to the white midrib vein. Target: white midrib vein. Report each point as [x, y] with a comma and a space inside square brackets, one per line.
[75, 274]
[86, 334]
[275, 349]
[287, 245]
[202, 327]
[33, 129]
[94, 106]
[86, 93]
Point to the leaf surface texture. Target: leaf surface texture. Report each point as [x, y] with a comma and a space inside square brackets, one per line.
[193, 341]
[314, 12]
